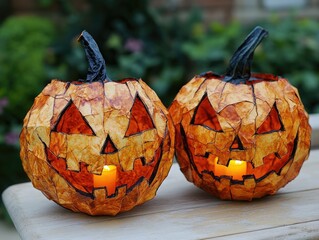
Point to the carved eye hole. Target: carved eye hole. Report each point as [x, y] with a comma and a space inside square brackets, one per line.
[206, 116]
[272, 122]
[140, 119]
[71, 121]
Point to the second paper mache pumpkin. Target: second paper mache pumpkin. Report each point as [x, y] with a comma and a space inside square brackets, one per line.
[240, 135]
[97, 146]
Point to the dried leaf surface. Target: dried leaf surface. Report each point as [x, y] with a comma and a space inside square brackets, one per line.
[62, 147]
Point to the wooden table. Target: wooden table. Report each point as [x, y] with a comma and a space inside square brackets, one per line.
[180, 211]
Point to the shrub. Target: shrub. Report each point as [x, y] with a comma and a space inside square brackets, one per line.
[23, 45]
[291, 51]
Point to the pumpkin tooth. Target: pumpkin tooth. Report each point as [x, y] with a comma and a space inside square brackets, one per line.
[72, 164]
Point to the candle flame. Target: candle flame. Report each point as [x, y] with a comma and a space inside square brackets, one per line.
[107, 168]
[238, 162]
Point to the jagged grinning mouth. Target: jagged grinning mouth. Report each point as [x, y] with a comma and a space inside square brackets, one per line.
[82, 180]
[271, 163]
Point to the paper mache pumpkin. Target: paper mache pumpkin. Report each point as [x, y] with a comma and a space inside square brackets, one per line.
[240, 136]
[97, 146]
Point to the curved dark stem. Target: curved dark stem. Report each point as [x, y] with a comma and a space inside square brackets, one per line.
[240, 64]
[97, 68]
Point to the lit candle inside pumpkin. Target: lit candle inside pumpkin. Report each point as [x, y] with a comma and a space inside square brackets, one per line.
[106, 179]
[235, 168]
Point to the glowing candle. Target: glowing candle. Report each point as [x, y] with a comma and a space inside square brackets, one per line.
[235, 168]
[219, 169]
[106, 179]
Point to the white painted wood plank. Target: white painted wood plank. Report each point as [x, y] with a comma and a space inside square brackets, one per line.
[179, 210]
[314, 123]
[308, 230]
[205, 221]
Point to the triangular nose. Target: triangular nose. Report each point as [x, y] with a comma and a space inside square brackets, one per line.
[237, 144]
[108, 146]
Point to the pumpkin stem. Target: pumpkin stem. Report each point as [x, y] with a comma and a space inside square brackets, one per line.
[239, 68]
[97, 68]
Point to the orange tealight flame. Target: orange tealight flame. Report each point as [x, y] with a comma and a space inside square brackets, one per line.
[236, 169]
[106, 179]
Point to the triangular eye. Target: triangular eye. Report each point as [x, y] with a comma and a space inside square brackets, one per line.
[272, 122]
[140, 119]
[206, 116]
[108, 146]
[71, 121]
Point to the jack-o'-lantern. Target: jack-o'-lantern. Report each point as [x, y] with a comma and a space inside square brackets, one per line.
[97, 146]
[240, 135]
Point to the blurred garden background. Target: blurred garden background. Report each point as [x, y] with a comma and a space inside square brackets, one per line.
[163, 42]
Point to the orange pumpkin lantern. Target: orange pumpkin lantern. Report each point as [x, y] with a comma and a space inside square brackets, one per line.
[97, 146]
[241, 135]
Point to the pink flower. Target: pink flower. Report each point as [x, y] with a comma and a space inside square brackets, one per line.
[134, 45]
[11, 138]
[3, 103]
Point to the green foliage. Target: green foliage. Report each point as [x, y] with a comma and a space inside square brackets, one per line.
[23, 45]
[137, 42]
[211, 48]
[291, 51]
[134, 40]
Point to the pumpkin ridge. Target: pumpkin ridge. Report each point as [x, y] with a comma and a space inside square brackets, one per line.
[189, 154]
